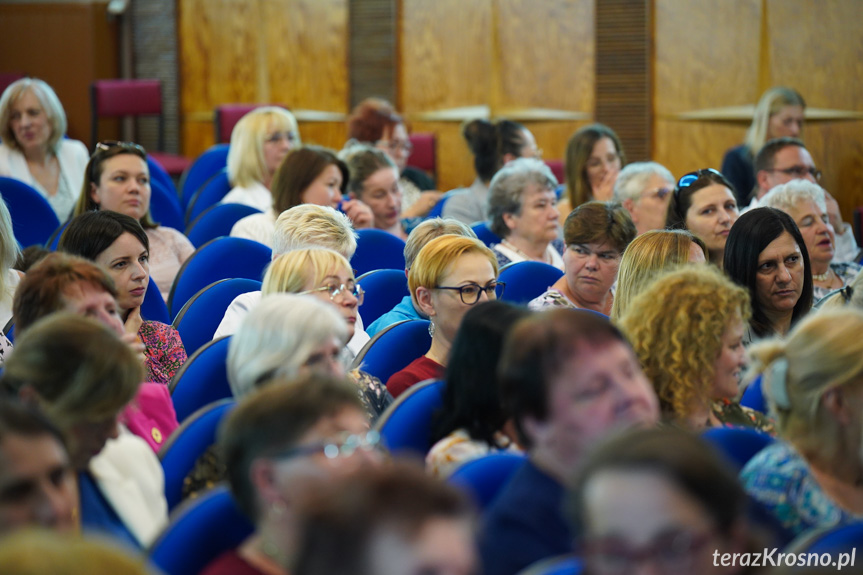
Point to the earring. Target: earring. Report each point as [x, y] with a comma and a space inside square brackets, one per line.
[431, 328]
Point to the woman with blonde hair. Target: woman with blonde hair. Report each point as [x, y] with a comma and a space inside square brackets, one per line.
[647, 256]
[327, 276]
[9, 278]
[450, 275]
[813, 381]
[32, 126]
[687, 330]
[259, 142]
[779, 113]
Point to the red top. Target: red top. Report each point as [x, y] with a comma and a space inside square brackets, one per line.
[230, 563]
[416, 371]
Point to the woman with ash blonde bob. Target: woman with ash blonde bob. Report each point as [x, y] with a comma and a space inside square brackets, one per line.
[814, 384]
[687, 330]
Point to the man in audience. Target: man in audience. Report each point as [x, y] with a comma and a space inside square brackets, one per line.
[420, 236]
[784, 159]
[37, 482]
[644, 189]
[279, 442]
[303, 226]
[568, 379]
[394, 520]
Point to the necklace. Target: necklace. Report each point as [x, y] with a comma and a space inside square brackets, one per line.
[822, 277]
[545, 258]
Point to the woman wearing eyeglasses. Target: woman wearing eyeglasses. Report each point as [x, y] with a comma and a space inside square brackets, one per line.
[374, 121]
[259, 142]
[118, 180]
[596, 235]
[703, 203]
[327, 276]
[32, 125]
[449, 276]
[779, 113]
[806, 203]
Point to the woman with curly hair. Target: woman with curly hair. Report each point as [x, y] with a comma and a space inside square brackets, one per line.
[687, 330]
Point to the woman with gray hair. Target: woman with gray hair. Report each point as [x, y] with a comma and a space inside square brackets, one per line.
[644, 189]
[806, 203]
[522, 207]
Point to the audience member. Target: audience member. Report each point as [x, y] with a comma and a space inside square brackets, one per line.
[41, 552]
[327, 276]
[421, 235]
[118, 243]
[805, 202]
[493, 145]
[9, 276]
[374, 181]
[767, 256]
[779, 114]
[661, 498]
[374, 121]
[687, 330]
[278, 443]
[307, 175]
[647, 256]
[596, 234]
[61, 282]
[37, 482]
[594, 157]
[522, 212]
[393, 520]
[644, 189]
[703, 203]
[118, 180]
[34, 149]
[812, 380]
[568, 379]
[450, 275]
[303, 226]
[472, 422]
[91, 377]
[259, 142]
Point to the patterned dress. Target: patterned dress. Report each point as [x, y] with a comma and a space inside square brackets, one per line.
[458, 447]
[845, 271]
[164, 351]
[732, 414]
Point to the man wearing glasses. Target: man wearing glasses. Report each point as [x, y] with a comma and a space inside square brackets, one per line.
[784, 159]
[644, 189]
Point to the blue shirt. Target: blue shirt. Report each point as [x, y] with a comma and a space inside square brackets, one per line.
[404, 310]
[525, 523]
[98, 516]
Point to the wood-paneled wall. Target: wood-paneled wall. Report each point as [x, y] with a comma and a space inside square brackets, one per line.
[67, 44]
[712, 60]
[524, 60]
[291, 52]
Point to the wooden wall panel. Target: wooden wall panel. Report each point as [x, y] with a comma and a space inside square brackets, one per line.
[67, 44]
[529, 61]
[822, 56]
[292, 52]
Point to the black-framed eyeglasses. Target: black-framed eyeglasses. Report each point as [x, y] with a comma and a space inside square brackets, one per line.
[673, 552]
[337, 292]
[346, 445]
[798, 172]
[470, 293]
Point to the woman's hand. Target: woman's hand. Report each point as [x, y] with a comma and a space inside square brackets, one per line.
[423, 205]
[133, 321]
[359, 213]
[604, 191]
[133, 341]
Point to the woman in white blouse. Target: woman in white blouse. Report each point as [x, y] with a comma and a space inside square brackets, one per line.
[34, 151]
